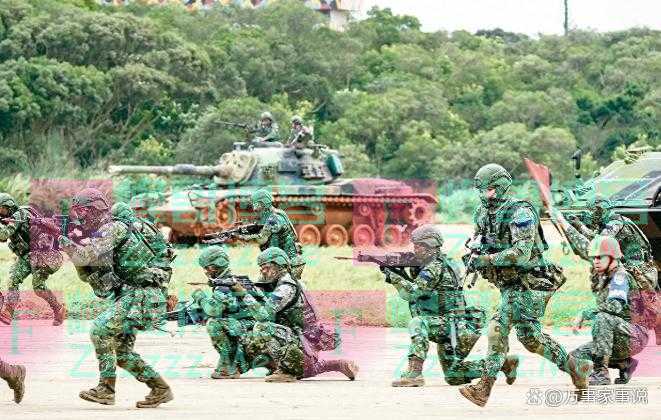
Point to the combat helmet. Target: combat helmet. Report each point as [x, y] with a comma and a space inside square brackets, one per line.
[90, 199]
[601, 209]
[297, 119]
[492, 176]
[214, 255]
[266, 116]
[428, 235]
[605, 246]
[273, 255]
[261, 199]
[6, 200]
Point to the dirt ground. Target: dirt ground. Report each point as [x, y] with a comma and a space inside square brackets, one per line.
[61, 364]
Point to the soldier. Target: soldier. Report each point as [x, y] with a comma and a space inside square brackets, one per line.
[14, 375]
[511, 258]
[283, 340]
[267, 129]
[439, 313]
[32, 257]
[229, 319]
[622, 316]
[129, 274]
[300, 135]
[277, 231]
[637, 255]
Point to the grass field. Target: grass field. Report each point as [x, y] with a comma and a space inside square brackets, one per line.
[356, 293]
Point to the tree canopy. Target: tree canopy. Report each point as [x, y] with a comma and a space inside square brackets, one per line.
[147, 84]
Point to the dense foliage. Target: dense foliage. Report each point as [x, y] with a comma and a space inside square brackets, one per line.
[82, 85]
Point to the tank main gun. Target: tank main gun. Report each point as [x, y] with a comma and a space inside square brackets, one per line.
[179, 169]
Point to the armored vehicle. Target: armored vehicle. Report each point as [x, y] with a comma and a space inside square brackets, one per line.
[632, 184]
[305, 182]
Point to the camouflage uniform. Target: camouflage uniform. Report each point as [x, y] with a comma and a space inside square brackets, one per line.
[135, 282]
[277, 231]
[14, 375]
[230, 320]
[268, 133]
[35, 255]
[511, 258]
[637, 252]
[279, 340]
[299, 135]
[620, 320]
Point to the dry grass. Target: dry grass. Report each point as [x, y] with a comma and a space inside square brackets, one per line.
[356, 293]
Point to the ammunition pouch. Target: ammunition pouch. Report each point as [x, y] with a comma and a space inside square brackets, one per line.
[104, 283]
[548, 278]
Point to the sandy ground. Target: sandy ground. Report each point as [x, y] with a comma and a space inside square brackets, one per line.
[61, 364]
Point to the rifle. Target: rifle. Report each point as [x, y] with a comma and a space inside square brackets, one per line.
[475, 247]
[55, 225]
[225, 235]
[225, 283]
[242, 126]
[187, 313]
[395, 262]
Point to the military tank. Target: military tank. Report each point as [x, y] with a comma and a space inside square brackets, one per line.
[633, 184]
[306, 183]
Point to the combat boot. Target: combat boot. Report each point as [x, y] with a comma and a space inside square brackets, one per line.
[509, 368]
[280, 376]
[7, 314]
[600, 375]
[57, 308]
[225, 374]
[579, 370]
[413, 376]
[3, 316]
[479, 393]
[627, 369]
[347, 368]
[160, 394]
[103, 393]
[15, 377]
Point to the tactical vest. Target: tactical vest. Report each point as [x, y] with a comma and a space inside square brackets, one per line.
[286, 239]
[495, 228]
[137, 251]
[293, 314]
[437, 302]
[20, 240]
[600, 286]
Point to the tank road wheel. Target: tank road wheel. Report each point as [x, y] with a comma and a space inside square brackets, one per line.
[335, 235]
[308, 235]
[225, 214]
[419, 213]
[364, 210]
[363, 235]
[393, 235]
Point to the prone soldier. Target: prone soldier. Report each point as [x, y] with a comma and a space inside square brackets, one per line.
[124, 269]
[35, 254]
[513, 260]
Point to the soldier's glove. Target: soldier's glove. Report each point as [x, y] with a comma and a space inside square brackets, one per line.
[64, 242]
[577, 324]
[481, 261]
[238, 289]
[198, 295]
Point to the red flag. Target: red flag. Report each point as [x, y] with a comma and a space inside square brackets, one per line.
[542, 175]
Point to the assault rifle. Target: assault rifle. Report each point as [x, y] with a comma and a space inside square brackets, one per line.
[395, 262]
[479, 245]
[226, 235]
[187, 313]
[55, 225]
[225, 283]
